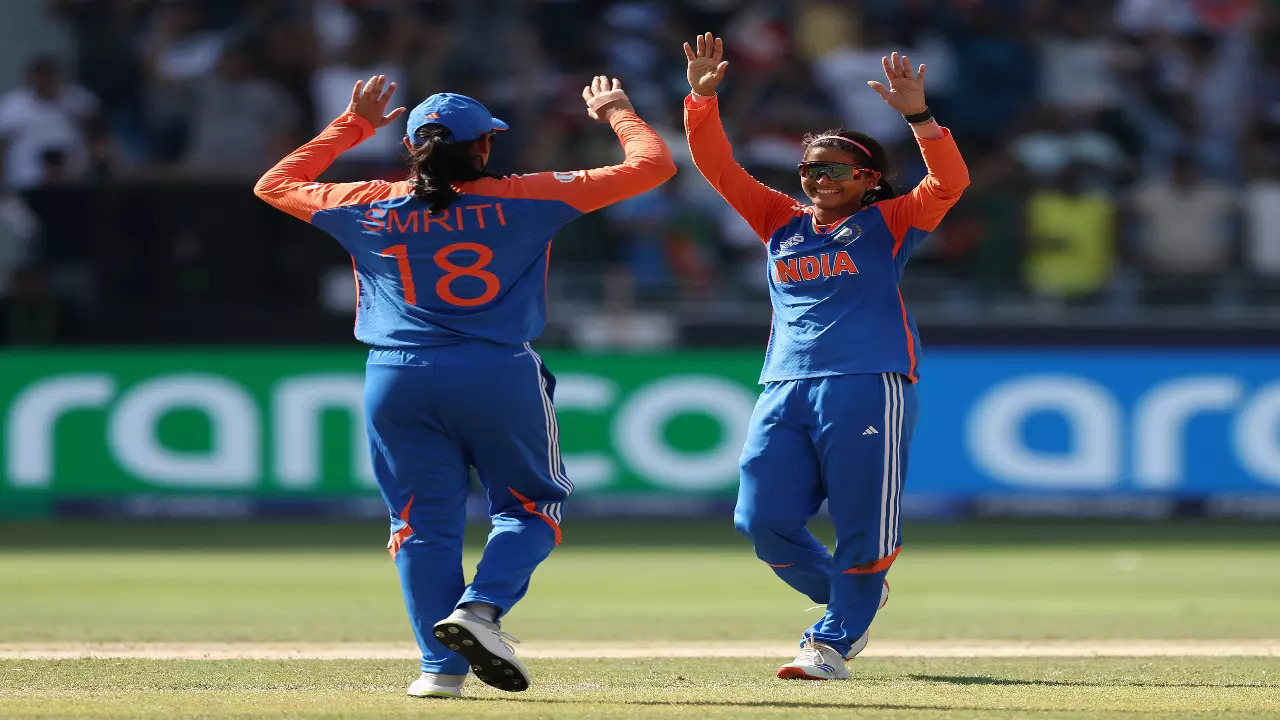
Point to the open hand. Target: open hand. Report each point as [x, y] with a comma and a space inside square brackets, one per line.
[605, 97]
[706, 64]
[369, 101]
[906, 87]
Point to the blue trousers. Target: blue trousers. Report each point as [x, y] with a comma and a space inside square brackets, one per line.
[842, 439]
[434, 412]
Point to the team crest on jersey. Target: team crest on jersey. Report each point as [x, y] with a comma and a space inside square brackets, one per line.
[851, 232]
[567, 177]
[790, 242]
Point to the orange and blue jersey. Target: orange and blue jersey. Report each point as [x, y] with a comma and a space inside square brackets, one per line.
[476, 271]
[449, 303]
[837, 309]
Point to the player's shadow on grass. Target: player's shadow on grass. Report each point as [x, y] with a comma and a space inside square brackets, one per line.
[987, 680]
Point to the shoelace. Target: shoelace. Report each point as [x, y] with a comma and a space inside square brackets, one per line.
[810, 651]
[507, 639]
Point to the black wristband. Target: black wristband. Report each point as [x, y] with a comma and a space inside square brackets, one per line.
[924, 116]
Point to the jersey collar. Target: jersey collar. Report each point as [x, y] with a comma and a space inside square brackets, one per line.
[833, 228]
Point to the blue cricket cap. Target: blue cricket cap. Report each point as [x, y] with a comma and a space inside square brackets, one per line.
[466, 118]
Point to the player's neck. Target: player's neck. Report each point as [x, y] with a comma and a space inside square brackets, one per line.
[824, 216]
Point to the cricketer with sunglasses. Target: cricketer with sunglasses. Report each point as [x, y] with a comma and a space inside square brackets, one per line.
[835, 418]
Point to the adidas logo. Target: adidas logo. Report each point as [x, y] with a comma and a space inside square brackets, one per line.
[871, 430]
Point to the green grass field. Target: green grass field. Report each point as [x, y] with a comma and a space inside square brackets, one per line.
[628, 583]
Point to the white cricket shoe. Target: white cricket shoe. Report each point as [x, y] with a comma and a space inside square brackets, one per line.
[437, 685]
[486, 647]
[861, 643]
[816, 661]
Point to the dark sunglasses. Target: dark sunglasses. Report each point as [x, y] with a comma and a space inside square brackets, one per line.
[834, 170]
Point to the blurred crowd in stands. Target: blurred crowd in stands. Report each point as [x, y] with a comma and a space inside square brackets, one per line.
[1125, 154]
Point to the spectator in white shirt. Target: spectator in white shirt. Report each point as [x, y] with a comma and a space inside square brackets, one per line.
[1075, 64]
[42, 118]
[1186, 223]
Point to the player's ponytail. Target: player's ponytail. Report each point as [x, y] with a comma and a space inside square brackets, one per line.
[436, 164]
[866, 151]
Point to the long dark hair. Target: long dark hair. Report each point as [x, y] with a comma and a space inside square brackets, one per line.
[435, 164]
[876, 160]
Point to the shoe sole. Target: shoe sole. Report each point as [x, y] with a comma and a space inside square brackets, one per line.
[489, 668]
[788, 672]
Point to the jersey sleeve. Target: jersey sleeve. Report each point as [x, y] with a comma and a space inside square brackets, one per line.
[911, 216]
[290, 185]
[646, 165]
[764, 208]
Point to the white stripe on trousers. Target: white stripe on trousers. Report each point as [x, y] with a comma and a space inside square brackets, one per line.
[895, 505]
[884, 479]
[555, 462]
[553, 428]
[891, 482]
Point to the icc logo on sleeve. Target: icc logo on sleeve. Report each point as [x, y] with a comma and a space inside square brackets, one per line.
[567, 177]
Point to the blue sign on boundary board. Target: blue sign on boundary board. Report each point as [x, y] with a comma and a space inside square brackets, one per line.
[1085, 425]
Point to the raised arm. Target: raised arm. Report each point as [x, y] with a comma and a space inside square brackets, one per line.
[764, 208]
[910, 217]
[646, 164]
[290, 185]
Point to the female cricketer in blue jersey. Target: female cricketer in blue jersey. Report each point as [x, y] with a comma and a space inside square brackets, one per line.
[835, 418]
[451, 273]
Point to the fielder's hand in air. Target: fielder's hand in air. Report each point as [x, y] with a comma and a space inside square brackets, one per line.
[369, 100]
[906, 86]
[706, 64]
[605, 97]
